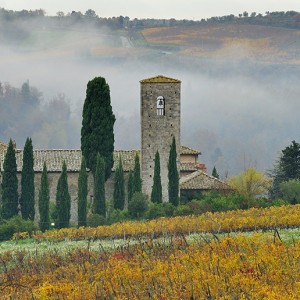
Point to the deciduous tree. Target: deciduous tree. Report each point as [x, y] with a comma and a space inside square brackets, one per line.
[251, 184]
[291, 190]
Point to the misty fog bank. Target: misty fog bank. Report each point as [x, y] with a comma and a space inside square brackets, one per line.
[238, 113]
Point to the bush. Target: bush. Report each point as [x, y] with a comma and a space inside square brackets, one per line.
[215, 202]
[169, 209]
[14, 225]
[198, 207]
[155, 210]
[118, 215]
[95, 220]
[138, 205]
[182, 210]
[263, 202]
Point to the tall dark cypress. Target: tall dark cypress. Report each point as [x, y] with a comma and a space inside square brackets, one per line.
[9, 207]
[173, 187]
[63, 200]
[156, 194]
[130, 185]
[119, 187]
[215, 173]
[97, 131]
[27, 182]
[99, 206]
[44, 198]
[82, 194]
[137, 181]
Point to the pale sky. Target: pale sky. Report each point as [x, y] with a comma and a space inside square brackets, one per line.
[179, 9]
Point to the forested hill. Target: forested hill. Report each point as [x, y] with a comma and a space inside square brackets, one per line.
[272, 37]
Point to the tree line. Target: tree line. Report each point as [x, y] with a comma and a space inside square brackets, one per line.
[29, 18]
[21, 107]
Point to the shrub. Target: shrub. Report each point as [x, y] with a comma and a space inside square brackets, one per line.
[198, 207]
[95, 220]
[118, 215]
[138, 205]
[169, 209]
[155, 210]
[263, 202]
[182, 210]
[215, 202]
[14, 225]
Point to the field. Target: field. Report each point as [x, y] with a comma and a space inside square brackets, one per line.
[194, 257]
[236, 41]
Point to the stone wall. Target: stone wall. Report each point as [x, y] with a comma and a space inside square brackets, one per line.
[72, 185]
[157, 131]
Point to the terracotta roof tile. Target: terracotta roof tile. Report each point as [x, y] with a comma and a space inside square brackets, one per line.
[201, 181]
[188, 150]
[160, 79]
[54, 159]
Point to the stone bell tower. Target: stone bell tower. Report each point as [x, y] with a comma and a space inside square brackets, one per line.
[160, 121]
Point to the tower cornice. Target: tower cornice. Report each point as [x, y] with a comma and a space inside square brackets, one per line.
[160, 79]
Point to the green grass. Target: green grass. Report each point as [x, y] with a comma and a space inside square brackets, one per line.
[288, 236]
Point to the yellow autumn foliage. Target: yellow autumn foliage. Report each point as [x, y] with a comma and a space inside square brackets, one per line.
[231, 268]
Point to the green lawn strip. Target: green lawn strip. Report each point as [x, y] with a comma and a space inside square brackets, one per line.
[287, 236]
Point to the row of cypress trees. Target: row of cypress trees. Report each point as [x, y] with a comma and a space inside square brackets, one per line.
[11, 203]
[9, 186]
[63, 200]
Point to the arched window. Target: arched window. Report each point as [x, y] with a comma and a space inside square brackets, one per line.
[160, 106]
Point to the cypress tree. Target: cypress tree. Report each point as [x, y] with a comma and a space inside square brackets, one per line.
[119, 188]
[97, 134]
[63, 199]
[286, 168]
[156, 194]
[27, 182]
[173, 175]
[215, 173]
[9, 184]
[44, 199]
[99, 206]
[137, 181]
[82, 194]
[130, 185]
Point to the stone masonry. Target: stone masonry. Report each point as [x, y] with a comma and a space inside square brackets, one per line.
[160, 121]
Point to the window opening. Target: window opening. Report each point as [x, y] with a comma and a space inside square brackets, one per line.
[160, 106]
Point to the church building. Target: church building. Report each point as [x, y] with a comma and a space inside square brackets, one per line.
[160, 122]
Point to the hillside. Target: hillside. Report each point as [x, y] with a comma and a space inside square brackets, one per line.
[235, 41]
[243, 61]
